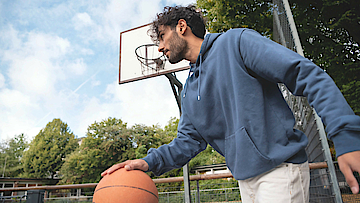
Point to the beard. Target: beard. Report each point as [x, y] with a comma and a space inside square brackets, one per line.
[178, 48]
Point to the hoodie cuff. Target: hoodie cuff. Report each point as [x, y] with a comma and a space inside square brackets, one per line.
[346, 141]
[150, 160]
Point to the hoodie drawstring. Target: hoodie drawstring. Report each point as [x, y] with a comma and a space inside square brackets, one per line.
[206, 45]
[199, 80]
[185, 88]
[191, 73]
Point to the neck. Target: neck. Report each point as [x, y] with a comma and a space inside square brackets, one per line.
[194, 45]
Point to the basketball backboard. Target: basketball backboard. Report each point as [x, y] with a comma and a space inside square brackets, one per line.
[135, 46]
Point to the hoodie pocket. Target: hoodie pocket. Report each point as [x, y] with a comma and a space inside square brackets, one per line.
[243, 157]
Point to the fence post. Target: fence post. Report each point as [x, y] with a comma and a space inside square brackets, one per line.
[328, 158]
[226, 198]
[198, 191]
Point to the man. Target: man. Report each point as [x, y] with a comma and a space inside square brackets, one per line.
[231, 100]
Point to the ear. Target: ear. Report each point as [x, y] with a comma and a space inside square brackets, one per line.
[181, 27]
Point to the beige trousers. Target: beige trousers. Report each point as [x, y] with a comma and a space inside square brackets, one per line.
[287, 183]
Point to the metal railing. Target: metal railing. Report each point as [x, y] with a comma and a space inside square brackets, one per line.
[198, 194]
[16, 198]
[219, 192]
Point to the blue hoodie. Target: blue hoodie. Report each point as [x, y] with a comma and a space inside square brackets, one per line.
[231, 101]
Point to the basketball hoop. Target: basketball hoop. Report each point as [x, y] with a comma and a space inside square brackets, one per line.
[136, 46]
[150, 58]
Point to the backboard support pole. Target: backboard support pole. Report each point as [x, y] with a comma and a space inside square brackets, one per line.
[175, 82]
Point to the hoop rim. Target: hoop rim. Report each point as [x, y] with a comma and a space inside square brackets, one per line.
[146, 45]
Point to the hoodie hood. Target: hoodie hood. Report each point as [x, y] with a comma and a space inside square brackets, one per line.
[196, 67]
[206, 45]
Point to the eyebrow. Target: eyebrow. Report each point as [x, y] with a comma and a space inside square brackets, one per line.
[161, 31]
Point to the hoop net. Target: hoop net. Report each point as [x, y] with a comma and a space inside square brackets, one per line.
[150, 59]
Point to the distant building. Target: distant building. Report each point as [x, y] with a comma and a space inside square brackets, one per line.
[23, 182]
[211, 169]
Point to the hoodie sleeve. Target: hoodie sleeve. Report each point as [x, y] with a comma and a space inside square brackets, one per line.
[279, 64]
[178, 152]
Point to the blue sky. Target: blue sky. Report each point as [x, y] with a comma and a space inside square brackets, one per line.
[60, 59]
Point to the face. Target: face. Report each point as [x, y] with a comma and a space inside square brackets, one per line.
[172, 45]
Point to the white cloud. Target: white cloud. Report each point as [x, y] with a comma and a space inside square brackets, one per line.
[36, 63]
[84, 51]
[10, 37]
[95, 83]
[109, 19]
[93, 110]
[105, 20]
[2, 81]
[82, 20]
[17, 115]
[149, 101]
[32, 76]
[180, 2]
[14, 99]
[78, 67]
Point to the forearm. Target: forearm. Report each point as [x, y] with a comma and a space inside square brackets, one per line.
[179, 151]
[174, 155]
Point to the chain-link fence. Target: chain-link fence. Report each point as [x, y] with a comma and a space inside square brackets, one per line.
[226, 190]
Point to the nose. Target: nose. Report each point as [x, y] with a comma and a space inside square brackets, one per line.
[161, 47]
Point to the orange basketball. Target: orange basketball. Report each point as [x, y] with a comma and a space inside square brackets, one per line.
[126, 186]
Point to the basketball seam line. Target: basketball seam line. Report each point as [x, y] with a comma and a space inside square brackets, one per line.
[128, 187]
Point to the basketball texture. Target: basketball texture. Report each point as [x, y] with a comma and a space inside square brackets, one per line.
[126, 186]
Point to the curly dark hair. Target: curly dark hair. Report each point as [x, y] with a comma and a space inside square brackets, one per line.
[170, 17]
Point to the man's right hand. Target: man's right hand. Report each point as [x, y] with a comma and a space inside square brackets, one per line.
[137, 164]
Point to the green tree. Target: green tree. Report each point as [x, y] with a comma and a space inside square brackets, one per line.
[330, 35]
[11, 155]
[106, 143]
[144, 138]
[223, 15]
[171, 129]
[48, 150]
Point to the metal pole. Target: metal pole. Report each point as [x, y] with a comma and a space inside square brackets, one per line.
[187, 183]
[293, 28]
[319, 123]
[198, 191]
[175, 82]
[279, 28]
[328, 158]
[4, 167]
[226, 197]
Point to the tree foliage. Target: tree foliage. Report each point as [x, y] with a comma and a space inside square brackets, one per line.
[223, 15]
[145, 137]
[48, 150]
[106, 143]
[11, 154]
[110, 142]
[329, 32]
